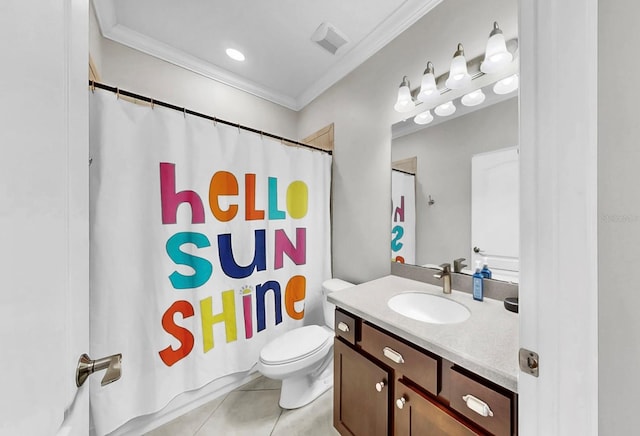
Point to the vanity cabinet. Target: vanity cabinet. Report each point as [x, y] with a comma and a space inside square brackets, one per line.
[384, 385]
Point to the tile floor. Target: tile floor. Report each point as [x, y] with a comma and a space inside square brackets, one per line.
[253, 410]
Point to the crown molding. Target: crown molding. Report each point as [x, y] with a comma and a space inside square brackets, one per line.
[403, 17]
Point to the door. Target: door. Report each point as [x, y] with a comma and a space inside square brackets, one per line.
[495, 211]
[43, 216]
[417, 414]
[360, 395]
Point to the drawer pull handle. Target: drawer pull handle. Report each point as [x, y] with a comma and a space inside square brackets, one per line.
[392, 355]
[477, 405]
[380, 386]
[343, 327]
[400, 402]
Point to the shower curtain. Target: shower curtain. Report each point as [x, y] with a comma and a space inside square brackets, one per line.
[403, 217]
[207, 241]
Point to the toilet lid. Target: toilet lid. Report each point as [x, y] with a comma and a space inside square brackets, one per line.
[295, 344]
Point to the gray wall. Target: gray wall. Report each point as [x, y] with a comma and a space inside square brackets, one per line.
[444, 151]
[619, 217]
[361, 107]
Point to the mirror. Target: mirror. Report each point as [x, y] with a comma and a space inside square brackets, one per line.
[455, 212]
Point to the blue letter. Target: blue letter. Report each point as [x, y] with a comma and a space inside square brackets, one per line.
[228, 263]
[202, 267]
[261, 291]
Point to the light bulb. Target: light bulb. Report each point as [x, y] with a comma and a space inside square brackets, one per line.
[428, 89]
[506, 85]
[404, 103]
[496, 56]
[445, 109]
[458, 75]
[473, 98]
[423, 117]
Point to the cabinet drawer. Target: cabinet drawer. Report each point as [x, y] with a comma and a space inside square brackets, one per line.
[498, 403]
[345, 326]
[406, 360]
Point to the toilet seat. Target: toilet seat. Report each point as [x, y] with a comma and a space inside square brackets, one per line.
[294, 345]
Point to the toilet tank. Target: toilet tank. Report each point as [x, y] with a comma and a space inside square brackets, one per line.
[329, 286]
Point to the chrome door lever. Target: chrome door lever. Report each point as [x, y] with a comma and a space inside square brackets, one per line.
[86, 367]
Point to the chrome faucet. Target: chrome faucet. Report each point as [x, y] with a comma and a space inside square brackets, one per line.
[445, 275]
[458, 265]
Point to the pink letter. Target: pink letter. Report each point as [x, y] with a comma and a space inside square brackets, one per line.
[171, 199]
[297, 254]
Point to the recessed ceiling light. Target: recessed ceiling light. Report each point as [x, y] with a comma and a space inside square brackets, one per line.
[235, 54]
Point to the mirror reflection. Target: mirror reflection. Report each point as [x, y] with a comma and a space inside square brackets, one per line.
[466, 190]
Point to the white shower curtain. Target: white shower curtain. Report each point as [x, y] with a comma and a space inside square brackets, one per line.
[207, 241]
[403, 217]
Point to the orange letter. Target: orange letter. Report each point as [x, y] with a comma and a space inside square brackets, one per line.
[250, 199]
[295, 292]
[223, 183]
[170, 356]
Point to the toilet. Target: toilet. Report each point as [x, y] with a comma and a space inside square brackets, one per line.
[303, 357]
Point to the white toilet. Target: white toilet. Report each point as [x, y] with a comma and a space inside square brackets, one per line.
[303, 357]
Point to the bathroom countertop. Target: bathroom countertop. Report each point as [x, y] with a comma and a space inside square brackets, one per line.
[486, 343]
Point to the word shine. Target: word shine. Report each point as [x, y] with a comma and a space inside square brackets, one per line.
[183, 249]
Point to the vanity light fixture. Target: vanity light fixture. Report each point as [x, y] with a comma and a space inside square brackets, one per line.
[428, 89]
[458, 75]
[496, 56]
[423, 117]
[405, 102]
[234, 54]
[445, 109]
[473, 98]
[506, 85]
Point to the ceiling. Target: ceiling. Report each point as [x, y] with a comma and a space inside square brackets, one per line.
[283, 64]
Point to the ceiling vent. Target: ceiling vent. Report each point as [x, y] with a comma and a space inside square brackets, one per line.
[329, 38]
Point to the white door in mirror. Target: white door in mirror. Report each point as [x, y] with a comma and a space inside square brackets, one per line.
[495, 213]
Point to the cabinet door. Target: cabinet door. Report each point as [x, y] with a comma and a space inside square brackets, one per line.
[417, 414]
[360, 404]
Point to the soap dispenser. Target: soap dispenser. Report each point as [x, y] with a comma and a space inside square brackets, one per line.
[478, 283]
[486, 272]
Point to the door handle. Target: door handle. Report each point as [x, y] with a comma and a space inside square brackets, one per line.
[86, 367]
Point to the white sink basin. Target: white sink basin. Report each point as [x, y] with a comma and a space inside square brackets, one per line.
[428, 308]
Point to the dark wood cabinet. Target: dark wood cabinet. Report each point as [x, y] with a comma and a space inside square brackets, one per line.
[384, 385]
[361, 393]
[418, 414]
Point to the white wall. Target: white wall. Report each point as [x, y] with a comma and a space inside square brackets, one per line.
[619, 217]
[444, 151]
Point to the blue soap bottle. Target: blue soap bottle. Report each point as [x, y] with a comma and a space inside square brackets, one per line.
[486, 272]
[478, 283]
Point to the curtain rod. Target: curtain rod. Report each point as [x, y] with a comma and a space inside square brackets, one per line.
[118, 91]
[403, 171]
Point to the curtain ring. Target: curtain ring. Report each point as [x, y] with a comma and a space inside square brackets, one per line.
[93, 86]
[184, 112]
[238, 128]
[151, 103]
[118, 93]
[215, 121]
